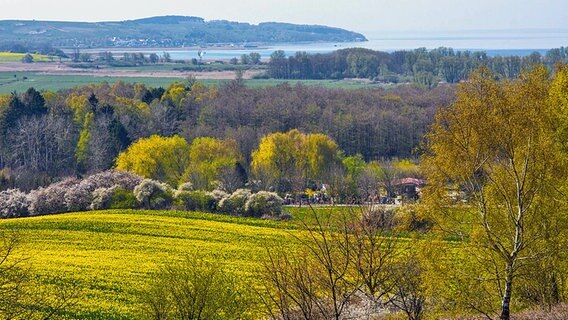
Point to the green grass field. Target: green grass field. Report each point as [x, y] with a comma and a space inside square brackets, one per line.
[111, 255]
[21, 81]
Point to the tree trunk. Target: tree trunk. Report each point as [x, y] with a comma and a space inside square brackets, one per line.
[506, 302]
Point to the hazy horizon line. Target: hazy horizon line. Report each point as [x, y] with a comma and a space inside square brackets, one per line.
[377, 31]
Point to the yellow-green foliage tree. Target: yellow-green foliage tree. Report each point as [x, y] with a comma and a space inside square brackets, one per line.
[79, 103]
[176, 94]
[558, 259]
[211, 160]
[319, 153]
[82, 150]
[276, 159]
[498, 143]
[4, 100]
[287, 160]
[558, 98]
[159, 158]
[405, 168]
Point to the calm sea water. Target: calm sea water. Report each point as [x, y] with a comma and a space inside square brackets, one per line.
[494, 43]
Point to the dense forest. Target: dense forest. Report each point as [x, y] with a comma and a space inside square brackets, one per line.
[422, 66]
[46, 135]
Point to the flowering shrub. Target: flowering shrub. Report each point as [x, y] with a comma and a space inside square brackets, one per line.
[219, 195]
[153, 194]
[102, 198]
[111, 178]
[188, 186]
[50, 199]
[122, 190]
[78, 198]
[235, 203]
[13, 203]
[264, 203]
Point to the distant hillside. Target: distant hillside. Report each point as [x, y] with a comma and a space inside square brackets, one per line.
[166, 31]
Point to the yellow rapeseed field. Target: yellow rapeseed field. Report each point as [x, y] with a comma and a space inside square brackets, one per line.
[15, 57]
[112, 254]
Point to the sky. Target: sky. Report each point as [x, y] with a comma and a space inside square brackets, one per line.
[357, 15]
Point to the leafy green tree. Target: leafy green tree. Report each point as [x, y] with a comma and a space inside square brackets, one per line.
[451, 69]
[34, 102]
[363, 63]
[28, 58]
[154, 58]
[245, 59]
[354, 166]
[254, 57]
[278, 65]
[29, 104]
[166, 57]
[497, 146]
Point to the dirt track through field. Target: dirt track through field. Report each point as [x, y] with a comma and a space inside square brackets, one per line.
[62, 69]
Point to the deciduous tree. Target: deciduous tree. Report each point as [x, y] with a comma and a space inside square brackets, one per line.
[497, 145]
[157, 158]
[209, 160]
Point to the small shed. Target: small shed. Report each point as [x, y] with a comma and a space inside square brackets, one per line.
[409, 188]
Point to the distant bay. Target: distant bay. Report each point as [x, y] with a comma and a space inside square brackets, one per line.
[494, 43]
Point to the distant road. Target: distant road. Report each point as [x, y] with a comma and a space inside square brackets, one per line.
[55, 68]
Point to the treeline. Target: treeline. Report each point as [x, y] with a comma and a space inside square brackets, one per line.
[422, 66]
[32, 47]
[46, 135]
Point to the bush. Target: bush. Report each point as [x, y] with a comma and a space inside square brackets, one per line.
[235, 203]
[13, 204]
[111, 178]
[50, 199]
[264, 203]
[123, 199]
[219, 195]
[113, 198]
[378, 218]
[409, 218]
[196, 201]
[187, 186]
[102, 198]
[196, 289]
[153, 194]
[285, 216]
[78, 198]
[73, 194]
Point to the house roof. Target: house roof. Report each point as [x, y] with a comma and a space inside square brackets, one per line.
[411, 181]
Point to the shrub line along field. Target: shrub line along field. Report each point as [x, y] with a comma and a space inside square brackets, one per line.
[112, 254]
